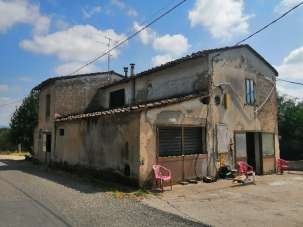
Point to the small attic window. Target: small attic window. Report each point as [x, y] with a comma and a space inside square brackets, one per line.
[117, 98]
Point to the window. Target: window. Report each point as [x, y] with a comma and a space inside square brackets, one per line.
[250, 95]
[117, 98]
[177, 141]
[47, 109]
[61, 131]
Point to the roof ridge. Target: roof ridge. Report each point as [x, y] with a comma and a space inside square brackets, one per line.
[51, 79]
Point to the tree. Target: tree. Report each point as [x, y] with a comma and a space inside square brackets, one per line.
[24, 121]
[290, 127]
[5, 143]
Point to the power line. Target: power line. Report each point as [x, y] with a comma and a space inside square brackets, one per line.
[269, 24]
[128, 38]
[292, 82]
[110, 39]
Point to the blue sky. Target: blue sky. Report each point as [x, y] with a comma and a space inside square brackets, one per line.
[40, 39]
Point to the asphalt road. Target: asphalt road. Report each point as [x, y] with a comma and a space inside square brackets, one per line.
[32, 196]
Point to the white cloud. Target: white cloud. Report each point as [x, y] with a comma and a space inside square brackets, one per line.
[223, 18]
[169, 46]
[146, 36]
[292, 65]
[124, 7]
[61, 25]
[290, 90]
[161, 59]
[8, 107]
[90, 12]
[21, 11]
[175, 45]
[291, 69]
[79, 44]
[285, 5]
[25, 79]
[69, 67]
[295, 56]
[3, 87]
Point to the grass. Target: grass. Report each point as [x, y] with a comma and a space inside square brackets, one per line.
[15, 153]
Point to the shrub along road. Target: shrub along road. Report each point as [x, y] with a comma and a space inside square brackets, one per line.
[33, 196]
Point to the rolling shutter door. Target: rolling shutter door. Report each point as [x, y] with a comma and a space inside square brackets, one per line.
[192, 141]
[170, 141]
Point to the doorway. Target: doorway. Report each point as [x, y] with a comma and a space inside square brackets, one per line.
[48, 143]
[248, 148]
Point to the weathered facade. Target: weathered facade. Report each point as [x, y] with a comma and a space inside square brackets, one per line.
[215, 106]
[64, 95]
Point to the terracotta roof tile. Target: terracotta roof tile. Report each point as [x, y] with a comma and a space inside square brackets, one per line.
[140, 107]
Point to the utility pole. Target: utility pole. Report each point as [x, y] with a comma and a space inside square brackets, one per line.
[108, 53]
[108, 44]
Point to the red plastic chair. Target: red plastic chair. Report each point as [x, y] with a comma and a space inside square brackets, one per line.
[282, 165]
[246, 170]
[162, 174]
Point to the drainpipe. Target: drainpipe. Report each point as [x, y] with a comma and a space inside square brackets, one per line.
[132, 83]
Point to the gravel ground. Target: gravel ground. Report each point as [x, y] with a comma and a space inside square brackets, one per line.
[31, 196]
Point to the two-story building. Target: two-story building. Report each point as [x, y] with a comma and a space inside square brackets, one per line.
[214, 106]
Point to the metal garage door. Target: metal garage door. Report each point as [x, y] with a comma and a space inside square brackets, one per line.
[180, 149]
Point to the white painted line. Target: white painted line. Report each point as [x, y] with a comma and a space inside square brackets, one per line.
[2, 164]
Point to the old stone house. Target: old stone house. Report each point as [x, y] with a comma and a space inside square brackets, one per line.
[211, 107]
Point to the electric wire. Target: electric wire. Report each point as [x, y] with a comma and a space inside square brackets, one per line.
[128, 38]
[289, 81]
[269, 24]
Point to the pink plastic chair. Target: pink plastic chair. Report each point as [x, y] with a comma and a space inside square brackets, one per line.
[246, 170]
[282, 165]
[162, 174]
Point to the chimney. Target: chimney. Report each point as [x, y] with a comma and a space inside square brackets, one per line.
[132, 83]
[125, 71]
[132, 69]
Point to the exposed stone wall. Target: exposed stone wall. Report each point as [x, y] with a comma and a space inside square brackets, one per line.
[66, 96]
[74, 95]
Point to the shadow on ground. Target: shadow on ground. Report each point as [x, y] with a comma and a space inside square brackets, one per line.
[84, 183]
